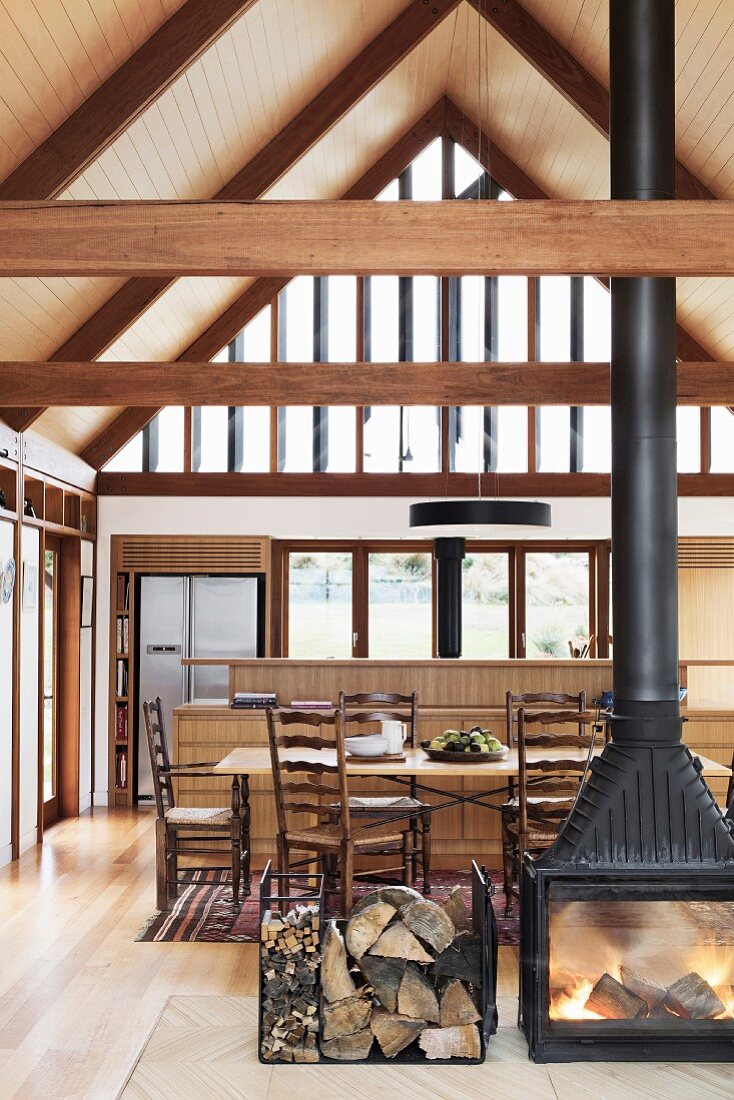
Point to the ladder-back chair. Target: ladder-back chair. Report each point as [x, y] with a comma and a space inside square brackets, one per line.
[187, 831]
[392, 707]
[309, 775]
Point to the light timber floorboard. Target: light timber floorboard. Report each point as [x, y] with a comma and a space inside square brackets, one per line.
[86, 1012]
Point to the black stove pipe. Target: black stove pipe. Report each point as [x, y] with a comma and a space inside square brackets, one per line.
[449, 554]
[643, 387]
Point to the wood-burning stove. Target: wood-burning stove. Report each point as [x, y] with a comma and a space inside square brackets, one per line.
[627, 921]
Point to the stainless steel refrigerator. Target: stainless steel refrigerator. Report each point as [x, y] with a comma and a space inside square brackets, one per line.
[191, 617]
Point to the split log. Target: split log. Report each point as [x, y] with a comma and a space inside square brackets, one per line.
[457, 1006]
[385, 976]
[349, 1048]
[610, 999]
[366, 926]
[430, 922]
[345, 1017]
[398, 942]
[694, 999]
[461, 959]
[639, 985]
[397, 896]
[455, 909]
[451, 1042]
[417, 997]
[393, 1032]
[336, 981]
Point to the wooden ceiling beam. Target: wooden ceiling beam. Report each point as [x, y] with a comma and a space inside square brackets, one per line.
[263, 291]
[351, 85]
[568, 76]
[467, 132]
[546, 237]
[279, 384]
[103, 116]
[387, 485]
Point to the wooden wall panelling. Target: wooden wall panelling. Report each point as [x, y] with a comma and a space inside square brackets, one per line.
[620, 238]
[264, 292]
[558, 66]
[706, 595]
[15, 732]
[124, 95]
[103, 115]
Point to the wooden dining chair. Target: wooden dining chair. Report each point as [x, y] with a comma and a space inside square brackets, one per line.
[398, 708]
[309, 784]
[189, 830]
[548, 785]
[511, 806]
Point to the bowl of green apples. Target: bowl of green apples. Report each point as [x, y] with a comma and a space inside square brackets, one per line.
[475, 746]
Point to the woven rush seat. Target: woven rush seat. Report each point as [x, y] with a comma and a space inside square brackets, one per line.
[375, 802]
[541, 800]
[332, 835]
[538, 836]
[198, 815]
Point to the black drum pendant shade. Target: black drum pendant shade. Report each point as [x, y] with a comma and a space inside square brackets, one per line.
[480, 513]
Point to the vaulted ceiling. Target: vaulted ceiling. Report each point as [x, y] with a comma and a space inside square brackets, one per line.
[270, 63]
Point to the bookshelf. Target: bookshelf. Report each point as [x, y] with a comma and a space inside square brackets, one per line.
[121, 688]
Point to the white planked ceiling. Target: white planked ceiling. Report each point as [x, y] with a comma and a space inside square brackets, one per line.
[269, 65]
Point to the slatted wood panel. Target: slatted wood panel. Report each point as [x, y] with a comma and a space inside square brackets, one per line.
[180, 554]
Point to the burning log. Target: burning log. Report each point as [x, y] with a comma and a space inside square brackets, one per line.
[457, 1006]
[336, 981]
[451, 1042]
[610, 999]
[385, 976]
[398, 942]
[394, 1032]
[461, 959]
[693, 998]
[639, 985]
[349, 1048]
[417, 997]
[429, 922]
[345, 1017]
[455, 909]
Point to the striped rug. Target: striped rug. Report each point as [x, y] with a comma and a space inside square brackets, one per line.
[203, 911]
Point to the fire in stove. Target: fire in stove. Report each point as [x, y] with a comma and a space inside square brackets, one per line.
[661, 961]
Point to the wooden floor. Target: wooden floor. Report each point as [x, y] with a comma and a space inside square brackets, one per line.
[82, 1004]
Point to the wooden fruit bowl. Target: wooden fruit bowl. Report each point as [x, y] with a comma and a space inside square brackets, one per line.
[464, 757]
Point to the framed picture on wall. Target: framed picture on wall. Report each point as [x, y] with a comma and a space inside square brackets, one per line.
[87, 600]
[30, 586]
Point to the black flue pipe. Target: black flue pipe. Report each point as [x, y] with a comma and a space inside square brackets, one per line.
[643, 387]
[449, 554]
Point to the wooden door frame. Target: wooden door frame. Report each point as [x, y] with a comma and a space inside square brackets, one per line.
[48, 811]
[67, 686]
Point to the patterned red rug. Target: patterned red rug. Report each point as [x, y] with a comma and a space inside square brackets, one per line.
[203, 911]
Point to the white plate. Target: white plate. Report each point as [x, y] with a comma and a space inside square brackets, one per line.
[369, 745]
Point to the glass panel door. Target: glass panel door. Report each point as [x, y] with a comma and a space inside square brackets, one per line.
[401, 605]
[50, 680]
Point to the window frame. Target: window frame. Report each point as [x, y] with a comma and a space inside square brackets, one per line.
[599, 557]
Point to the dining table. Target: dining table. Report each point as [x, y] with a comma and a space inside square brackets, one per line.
[416, 769]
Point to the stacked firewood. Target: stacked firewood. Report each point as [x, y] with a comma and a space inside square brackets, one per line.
[406, 971]
[289, 962]
[636, 997]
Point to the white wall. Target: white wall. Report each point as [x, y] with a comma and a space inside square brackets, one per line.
[6, 699]
[86, 666]
[320, 517]
[29, 697]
